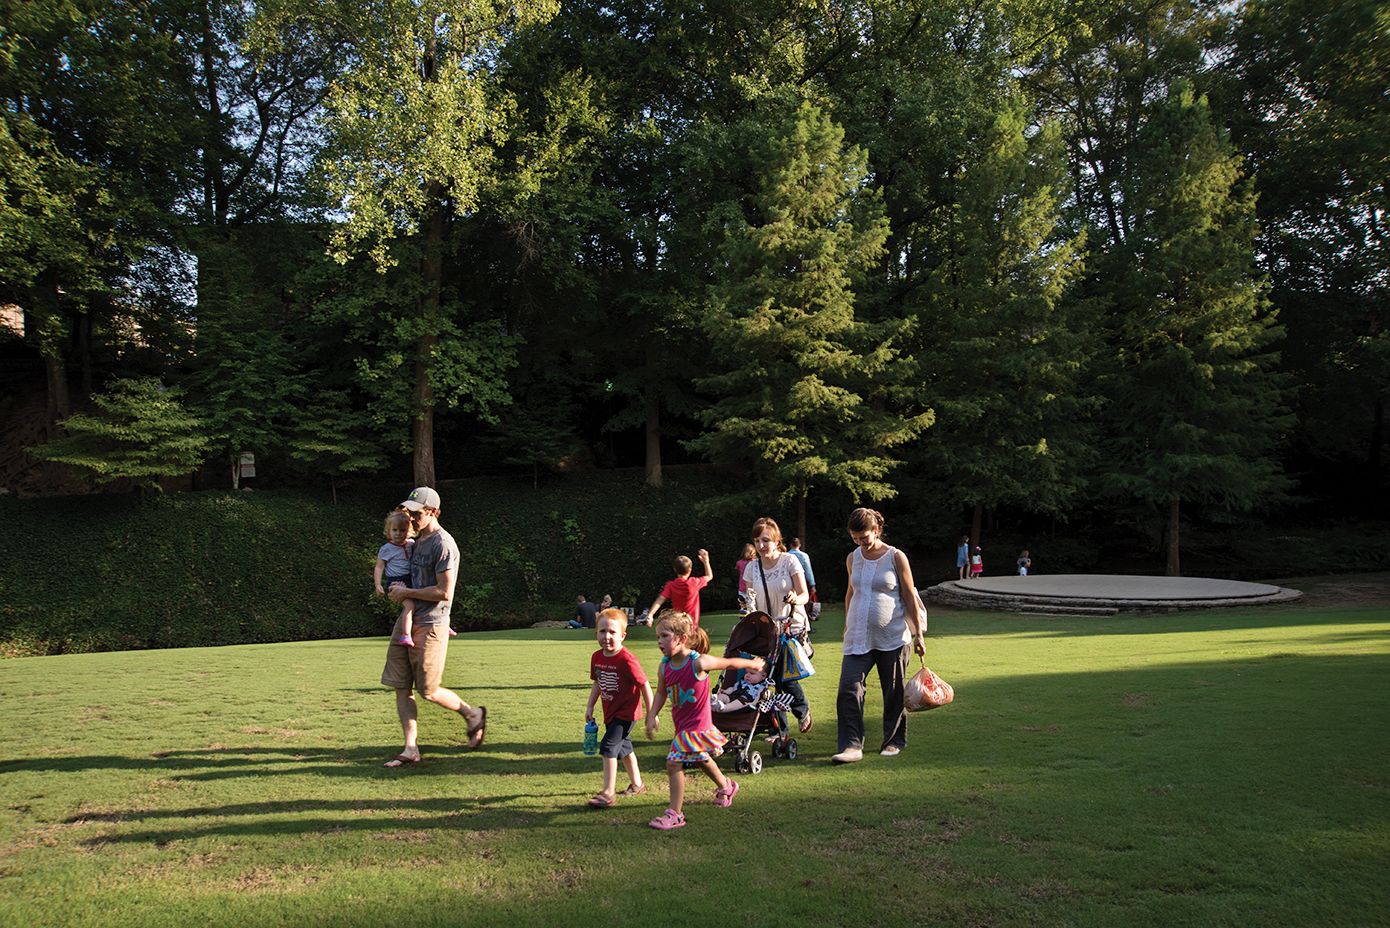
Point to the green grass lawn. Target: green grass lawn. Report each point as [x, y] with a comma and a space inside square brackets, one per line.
[1215, 768]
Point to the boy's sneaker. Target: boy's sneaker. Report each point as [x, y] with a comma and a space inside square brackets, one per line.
[668, 820]
[406, 641]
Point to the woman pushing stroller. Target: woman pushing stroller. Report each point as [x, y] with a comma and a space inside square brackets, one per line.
[777, 581]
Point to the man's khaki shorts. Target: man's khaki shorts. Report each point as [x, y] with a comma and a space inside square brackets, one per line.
[420, 667]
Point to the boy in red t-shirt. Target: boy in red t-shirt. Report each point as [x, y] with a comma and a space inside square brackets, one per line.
[684, 590]
[620, 683]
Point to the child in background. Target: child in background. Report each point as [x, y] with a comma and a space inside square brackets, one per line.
[393, 566]
[684, 590]
[684, 680]
[977, 563]
[1025, 563]
[745, 596]
[623, 687]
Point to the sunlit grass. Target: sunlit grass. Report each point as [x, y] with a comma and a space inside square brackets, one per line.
[1216, 768]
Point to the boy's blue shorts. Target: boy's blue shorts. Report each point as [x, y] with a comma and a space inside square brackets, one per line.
[617, 740]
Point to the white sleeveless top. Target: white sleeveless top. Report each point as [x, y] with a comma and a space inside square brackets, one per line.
[779, 584]
[876, 619]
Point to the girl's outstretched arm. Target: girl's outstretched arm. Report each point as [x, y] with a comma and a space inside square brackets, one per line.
[709, 662]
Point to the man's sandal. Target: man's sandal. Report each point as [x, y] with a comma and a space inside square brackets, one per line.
[401, 760]
[476, 733]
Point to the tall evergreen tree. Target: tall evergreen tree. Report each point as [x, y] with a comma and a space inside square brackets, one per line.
[1306, 88]
[799, 370]
[1001, 354]
[1196, 409]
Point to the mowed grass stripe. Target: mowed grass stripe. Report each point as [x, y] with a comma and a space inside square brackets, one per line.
[1216, 768]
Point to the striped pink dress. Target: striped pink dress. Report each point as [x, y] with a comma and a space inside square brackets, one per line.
[697, 740]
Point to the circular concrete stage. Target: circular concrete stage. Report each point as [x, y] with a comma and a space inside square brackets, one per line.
[1102, 594]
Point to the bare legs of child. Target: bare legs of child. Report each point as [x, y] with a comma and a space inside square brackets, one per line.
[401, 634]
[725, 790]
[609, 794]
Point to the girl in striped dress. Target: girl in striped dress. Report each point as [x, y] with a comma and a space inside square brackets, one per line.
[684, 680]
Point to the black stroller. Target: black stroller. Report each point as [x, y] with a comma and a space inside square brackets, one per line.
[759, 635]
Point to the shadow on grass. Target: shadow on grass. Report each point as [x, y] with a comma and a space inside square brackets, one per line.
[960, 622]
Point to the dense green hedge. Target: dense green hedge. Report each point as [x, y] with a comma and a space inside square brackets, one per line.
[110, 573]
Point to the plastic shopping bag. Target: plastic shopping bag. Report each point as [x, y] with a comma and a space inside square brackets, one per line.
[926, 691]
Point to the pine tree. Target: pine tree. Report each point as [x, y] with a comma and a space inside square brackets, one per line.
[1195, 407]
[796, 396]
[141, 432]
[1000, 356]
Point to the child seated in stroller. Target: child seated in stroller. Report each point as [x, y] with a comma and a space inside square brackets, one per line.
[743, 693]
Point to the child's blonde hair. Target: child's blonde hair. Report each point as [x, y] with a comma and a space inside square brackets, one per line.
[682, 565]
[613, 615]
[393, 518]
[682, 625]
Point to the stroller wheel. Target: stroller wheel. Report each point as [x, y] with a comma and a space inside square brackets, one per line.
[739, 765]
[791, 749]
[755, 763]
[777, 748]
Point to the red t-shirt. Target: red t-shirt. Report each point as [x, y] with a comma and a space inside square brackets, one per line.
[620, 680]
[684, 594]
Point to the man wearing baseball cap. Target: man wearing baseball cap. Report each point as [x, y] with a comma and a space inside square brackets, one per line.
[433, 573]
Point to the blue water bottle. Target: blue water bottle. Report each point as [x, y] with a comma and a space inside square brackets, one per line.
[591, 737]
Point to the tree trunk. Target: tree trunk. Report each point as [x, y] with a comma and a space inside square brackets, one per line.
[432, 271]
[53, 339]
[84, 352]
[977, 523]
[801, 510]
[1174, 507]
[652, 403]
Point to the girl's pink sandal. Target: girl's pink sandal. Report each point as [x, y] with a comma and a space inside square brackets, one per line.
[725, 797]
[668, 820]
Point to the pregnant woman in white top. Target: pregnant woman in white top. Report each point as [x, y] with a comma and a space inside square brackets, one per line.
[883, 620]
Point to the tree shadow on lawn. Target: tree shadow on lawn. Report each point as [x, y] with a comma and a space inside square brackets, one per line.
[286, 819]
[980, 624]
[359, 762]
[1177, 743]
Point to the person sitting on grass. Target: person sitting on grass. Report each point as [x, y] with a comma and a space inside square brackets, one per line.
[585, 613]
[684, 680]
[622, 686]
[684, 590]
[393, 566]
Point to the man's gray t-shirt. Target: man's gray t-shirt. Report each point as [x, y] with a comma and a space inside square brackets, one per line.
[434, 553]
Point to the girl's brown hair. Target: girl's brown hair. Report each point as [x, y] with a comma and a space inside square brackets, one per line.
[770, 524]
[749, 552]
[683, 626]
[862, 519]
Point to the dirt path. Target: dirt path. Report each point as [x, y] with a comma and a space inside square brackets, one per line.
[1342, 589]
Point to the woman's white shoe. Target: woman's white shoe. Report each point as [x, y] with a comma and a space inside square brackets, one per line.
[847, 756]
